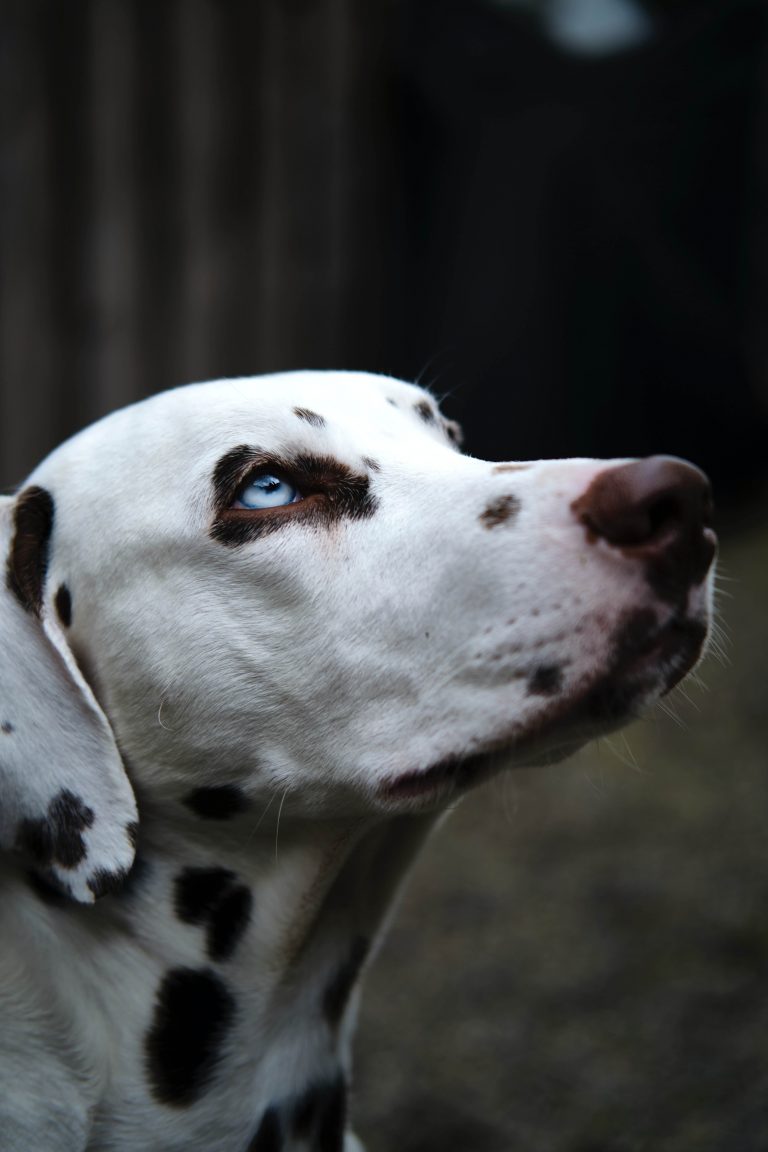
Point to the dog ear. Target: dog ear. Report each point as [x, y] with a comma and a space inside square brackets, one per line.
[65, 801]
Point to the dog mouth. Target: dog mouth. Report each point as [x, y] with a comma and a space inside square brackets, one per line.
[646, 662]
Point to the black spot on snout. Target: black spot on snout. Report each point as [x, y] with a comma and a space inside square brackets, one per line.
[63, 604]
[546, 680]
[193, 1013]
[218, 802]
[28, 556]
[310, 417]
[502, 510]
[212, 898]
[57, 837]
[6, 728]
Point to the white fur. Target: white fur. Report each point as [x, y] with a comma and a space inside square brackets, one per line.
[313, 668]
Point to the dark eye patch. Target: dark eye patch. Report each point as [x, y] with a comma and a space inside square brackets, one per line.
[331, 492]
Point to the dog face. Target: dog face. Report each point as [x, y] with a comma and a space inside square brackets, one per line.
[297, 585]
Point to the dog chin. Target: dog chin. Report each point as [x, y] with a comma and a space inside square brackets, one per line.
[647, 662]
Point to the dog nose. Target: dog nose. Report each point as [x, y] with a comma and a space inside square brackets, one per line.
[659, 508]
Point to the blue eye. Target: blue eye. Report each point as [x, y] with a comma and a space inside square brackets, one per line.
[266, 491]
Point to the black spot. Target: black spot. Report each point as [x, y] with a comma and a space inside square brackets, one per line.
[339, 990]
[331, 492]
[56, 838]
[229, 923]
[310, 417]
[500, 511]
[320, 1115]
[546, 680]
[199, 890]
[6, 727]
[28, 557]
[394, 403]
[101, 881]
[63, 604]
[371, 464]
[221, 802]
[211, 897]
[426, 411]
[132, 832]
[194, 1011]
[269, 1137]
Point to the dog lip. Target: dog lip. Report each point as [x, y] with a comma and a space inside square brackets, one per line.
[656, 661]
[674, 647]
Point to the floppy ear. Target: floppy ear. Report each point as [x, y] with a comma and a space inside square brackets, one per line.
[65, 800]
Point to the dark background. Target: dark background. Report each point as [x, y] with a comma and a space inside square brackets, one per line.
[555, 213]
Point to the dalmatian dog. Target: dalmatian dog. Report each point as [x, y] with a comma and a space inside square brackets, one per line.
[257, 634]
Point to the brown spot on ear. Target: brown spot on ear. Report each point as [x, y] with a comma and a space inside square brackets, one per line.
[498, 468]
[313, 418]
[63, 603]
[28, 559]
[500, 511]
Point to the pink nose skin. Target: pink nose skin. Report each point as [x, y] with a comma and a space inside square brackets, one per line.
[658, 510]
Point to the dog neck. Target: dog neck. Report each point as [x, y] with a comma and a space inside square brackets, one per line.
[231, 959]
[273, 892]
[278, 918]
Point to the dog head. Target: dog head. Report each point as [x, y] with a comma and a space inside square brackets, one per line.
[297, 585]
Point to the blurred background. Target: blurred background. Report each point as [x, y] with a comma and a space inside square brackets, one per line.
[555, 214]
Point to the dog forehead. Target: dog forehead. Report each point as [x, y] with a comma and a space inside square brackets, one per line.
[352, 399]
[191, 426]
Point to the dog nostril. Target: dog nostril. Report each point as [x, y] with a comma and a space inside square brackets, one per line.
[646, 502]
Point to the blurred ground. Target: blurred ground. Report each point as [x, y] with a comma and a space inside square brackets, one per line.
[580, 962]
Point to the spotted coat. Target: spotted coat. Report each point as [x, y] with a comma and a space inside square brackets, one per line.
[235, 618]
